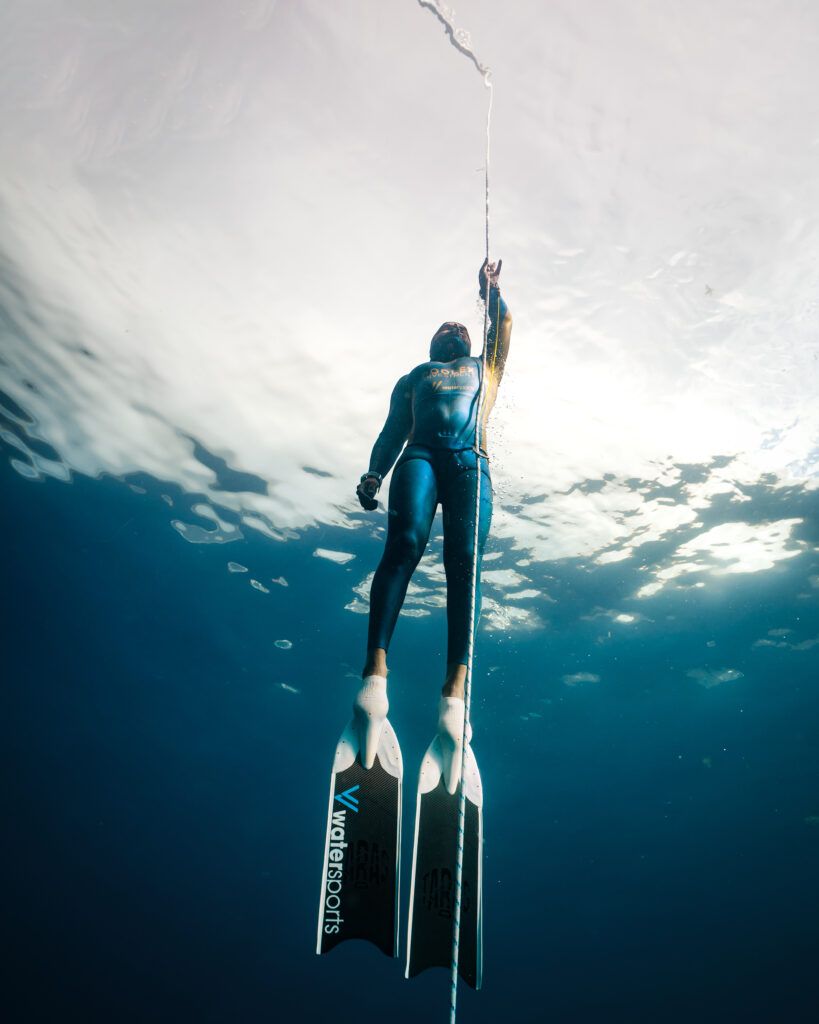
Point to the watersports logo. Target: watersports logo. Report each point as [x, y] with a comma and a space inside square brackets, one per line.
[335, 864]
[347, 799]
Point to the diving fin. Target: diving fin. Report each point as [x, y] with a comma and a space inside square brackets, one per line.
[362, 850]
[432, 891]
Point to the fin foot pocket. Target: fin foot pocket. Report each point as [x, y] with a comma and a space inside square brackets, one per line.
[370, 709]
[451, 733]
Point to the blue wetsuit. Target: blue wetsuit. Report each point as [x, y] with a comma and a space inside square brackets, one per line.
[434, 410]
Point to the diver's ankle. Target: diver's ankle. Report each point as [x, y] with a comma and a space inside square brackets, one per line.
[455, 682]
[376, 664]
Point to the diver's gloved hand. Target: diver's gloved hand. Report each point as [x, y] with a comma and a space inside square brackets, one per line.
[367, 489]
[489, 272]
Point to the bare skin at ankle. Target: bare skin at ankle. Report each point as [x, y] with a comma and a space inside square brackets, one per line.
[376, 663]
[455, 681]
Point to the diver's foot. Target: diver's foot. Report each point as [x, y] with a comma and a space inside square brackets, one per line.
[455, 682]
[451, 736]
[370, 709]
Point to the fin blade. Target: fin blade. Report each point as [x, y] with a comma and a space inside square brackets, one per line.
[432, 893]
[360, 877]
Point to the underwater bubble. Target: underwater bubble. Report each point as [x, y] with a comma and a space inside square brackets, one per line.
[236, 567]
[339, 557]
[289, 688]
[803, 645]
[708, 677]
[283, 645]
[259, 586]
[137, 489]
[581, 677]
[167, 499]
[280, 580]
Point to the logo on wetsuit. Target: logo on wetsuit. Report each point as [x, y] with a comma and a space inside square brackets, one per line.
[444, 379]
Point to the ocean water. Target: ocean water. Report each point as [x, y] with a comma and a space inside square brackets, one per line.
[226, 233]
[651, 827]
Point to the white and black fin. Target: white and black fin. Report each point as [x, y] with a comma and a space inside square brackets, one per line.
[432, 892]
[362, 851]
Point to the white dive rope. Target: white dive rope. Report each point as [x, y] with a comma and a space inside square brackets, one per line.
[459, 862]
[460, 39]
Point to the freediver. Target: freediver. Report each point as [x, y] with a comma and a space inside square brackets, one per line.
[433, 426]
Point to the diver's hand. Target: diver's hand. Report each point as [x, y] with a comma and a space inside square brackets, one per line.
[489, 272]
[367, 490]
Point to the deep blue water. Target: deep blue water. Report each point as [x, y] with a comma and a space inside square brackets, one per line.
[651, 844]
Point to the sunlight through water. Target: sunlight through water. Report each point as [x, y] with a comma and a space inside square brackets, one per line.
[218, 256]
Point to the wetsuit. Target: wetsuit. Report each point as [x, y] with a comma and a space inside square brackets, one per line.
[434, 410]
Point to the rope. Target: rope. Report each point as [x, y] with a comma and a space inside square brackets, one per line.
[459, 37]
[459, 861]
[462, 42]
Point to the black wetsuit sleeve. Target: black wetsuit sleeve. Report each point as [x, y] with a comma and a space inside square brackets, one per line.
[396, 429]
[498, 336]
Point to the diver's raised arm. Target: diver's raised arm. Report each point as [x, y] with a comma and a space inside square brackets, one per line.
[388, 446]
[500, 319]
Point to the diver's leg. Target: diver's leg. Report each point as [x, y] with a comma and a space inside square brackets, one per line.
[458, 501]
[412, 504]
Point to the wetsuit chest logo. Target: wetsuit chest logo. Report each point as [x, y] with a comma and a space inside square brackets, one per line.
[442, 378]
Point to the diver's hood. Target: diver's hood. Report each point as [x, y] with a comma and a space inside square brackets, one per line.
[450, 341]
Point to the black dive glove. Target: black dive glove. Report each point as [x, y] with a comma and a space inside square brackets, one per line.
[367, 489]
